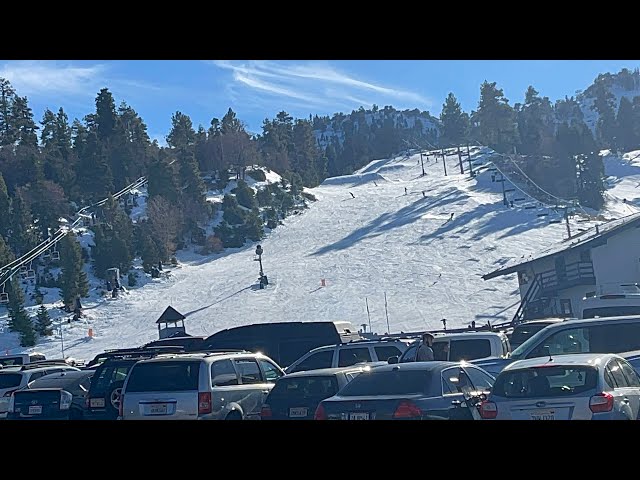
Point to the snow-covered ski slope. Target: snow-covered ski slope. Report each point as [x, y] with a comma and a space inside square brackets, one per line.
[365, 237]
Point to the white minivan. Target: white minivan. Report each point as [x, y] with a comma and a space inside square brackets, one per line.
[198, 386]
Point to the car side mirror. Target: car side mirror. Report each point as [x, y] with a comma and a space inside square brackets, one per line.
[393, 360]
[546, 351]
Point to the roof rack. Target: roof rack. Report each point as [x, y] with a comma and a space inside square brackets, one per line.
[44, 363]
[219, 350]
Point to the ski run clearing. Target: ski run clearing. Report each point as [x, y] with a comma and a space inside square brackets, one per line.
[426, 249]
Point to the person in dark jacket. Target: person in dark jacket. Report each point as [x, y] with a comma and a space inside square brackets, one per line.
[425, 352]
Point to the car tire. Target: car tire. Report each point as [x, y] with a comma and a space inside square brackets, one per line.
[113, 401]
[235, 415]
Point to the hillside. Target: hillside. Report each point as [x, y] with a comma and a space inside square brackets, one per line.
[379, 241]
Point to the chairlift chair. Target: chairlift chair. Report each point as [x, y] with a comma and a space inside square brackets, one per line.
[4, 296]
[55, 255]
[47, 254]
[31, 273]
[24, 272]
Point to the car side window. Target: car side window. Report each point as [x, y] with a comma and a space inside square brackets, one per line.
[387, 351]
[409, 354]
[351, 356]
[450, 381]
[271, 372]
[616, 372]
[315, 361]
[223, 374]
[248, 370]
[608, 378]
[629, 373]
[480, 380]
[35, 376]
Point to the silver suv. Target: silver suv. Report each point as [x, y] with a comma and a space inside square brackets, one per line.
[209, 386]
[347, 354]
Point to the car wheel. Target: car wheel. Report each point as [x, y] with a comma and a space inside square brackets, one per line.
[113, 400]
[234, 416]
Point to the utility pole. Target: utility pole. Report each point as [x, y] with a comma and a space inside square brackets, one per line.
[444, 163]
[460, 159]
[62, 337]
[386, 312]
[469, 157]
[422, 163]
[504, 193]
[566, 218]
[366, 300]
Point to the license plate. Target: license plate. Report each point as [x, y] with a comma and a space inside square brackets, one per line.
[35, 409]
[544, 415]
[96, 403]
[298, 412]
[358, 416]
[158, 409]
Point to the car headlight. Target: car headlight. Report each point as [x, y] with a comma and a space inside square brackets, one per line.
[11, 403]
[65, 400]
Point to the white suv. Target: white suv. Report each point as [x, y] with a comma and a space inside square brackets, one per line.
[16, 378]
[347, 354]
[197, 386]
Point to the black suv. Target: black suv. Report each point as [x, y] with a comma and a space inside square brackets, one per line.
[103, 398]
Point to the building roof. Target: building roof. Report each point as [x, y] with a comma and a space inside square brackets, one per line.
[170, 315]
[589, 238]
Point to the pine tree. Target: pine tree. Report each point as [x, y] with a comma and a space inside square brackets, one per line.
[454, 122]
[494, 122]
[626, 135]
[307, 160]
[6, 255]
[47, 203]
[606, 126]
[73, 284]
[7, 127]
[43, 322]
[4, 208]
[113, 240]
[105, 117]
[59, 162]
[24, 234]
[244, 195]
[193, 188]
[182, 134]
[19, 319]
[536, 124]
[25, 127]
[162, 180]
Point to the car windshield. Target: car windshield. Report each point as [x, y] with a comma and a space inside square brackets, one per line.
[171, 376]
[10, 361]
[554, 381]
[10, 380]
[388, 382]
[519, 352]
[524, 332]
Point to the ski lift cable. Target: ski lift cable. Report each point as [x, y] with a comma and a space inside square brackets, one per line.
[539, 187]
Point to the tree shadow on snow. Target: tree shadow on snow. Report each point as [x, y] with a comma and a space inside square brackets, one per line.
[390, 221]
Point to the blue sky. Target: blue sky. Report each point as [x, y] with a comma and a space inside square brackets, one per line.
[256, 90]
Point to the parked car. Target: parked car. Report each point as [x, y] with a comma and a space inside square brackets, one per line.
[526, 330]
[455, 347]
[586, 386]
[600, 335]
[284, 342]
[103, 398]
[408, 391]
[297, 395]
[20, 359]
[16, 378]
[59, 396]
[118, 353]
[347, 354]
[194, 386]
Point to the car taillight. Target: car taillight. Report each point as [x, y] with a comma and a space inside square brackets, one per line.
[320, 413]
[265, 412]
[204, 403]
[121, 406]
[601, 402]
[488, 410]
[407, 409]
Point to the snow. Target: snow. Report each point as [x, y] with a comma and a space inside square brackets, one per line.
[382, 241]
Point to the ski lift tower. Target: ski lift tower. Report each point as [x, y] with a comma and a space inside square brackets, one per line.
[263, 278]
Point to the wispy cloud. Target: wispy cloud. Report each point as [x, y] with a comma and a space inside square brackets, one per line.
[29, 77]
[318, 83]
